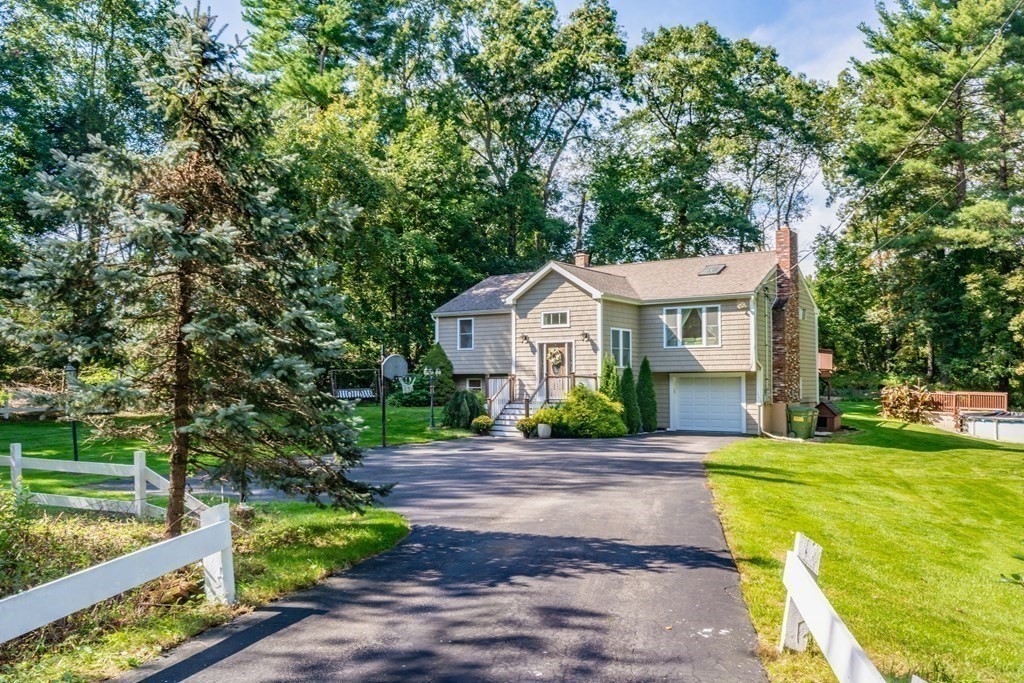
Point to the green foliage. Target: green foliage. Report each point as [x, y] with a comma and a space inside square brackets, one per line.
[461, 409]
[528, 426]
[554, 416]
[647, 402]
[630, 404]
[69, 71]
[735, 165]
[444, 385]
[609, 381]
[203, 287]
[481, 424]
[15, 541]
[591, 414]
[924, 281]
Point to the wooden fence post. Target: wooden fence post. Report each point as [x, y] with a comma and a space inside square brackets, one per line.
[16, 468]
[794, 630]
[140, 484]
[219, 568]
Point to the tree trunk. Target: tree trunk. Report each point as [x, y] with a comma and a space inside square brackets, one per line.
[181, 398]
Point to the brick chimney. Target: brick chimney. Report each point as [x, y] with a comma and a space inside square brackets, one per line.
[582, 259]
[786, 321]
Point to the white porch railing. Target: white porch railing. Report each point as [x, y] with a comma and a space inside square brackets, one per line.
[499, 394]
[211, 543]
[138, 471]
[808, 612]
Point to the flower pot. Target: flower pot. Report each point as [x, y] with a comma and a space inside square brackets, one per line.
[544, 431]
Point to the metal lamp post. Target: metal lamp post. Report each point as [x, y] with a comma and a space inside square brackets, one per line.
[432, 374]
[70, 374]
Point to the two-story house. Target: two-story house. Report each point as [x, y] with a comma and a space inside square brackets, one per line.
[731, 339]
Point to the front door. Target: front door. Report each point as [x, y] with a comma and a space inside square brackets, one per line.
[556, 370]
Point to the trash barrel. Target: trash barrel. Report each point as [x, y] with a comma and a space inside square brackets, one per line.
[802, 420]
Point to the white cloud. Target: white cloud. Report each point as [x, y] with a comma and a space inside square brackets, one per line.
[818, 37]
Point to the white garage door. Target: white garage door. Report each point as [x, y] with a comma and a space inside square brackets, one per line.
[708, 404]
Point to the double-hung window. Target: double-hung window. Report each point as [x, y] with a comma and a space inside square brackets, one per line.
[465, 334]
[622, 347]
[692, 326]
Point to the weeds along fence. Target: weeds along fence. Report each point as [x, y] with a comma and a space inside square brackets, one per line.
[143, 476]
[210, 543]
[809, 613]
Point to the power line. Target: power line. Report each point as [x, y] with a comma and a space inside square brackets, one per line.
[906, 148]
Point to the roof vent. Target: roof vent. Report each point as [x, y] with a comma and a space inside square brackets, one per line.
[713, 269]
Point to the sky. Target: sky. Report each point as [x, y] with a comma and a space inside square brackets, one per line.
[814, 37]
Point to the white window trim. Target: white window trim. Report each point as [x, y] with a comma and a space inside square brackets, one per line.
[568, 319]
[611, 344]
[458, 334]
[474, 379]
[703, 322]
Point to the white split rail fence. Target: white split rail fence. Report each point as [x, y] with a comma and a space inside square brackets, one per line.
[211, 543]
[808, 612]
[142, 475]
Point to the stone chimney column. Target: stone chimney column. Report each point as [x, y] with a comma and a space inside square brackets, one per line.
[786, 321]
[582, 259]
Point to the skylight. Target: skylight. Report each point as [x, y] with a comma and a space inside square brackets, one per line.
[713, 269]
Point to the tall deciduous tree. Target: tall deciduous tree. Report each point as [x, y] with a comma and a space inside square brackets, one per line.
[68, 70]
[718, 144]
[213, 298]
[522, 88]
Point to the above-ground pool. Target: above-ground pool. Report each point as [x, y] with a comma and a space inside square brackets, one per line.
[998, 426]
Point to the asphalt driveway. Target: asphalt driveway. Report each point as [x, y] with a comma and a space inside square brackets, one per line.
[528, 561]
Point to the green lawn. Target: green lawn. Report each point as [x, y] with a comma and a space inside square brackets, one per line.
[51, 439]
[287, 547]
[917, 525]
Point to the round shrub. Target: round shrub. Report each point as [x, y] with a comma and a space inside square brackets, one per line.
[590, 414]
[461, 409]
[554, 416]
[481, 424]
[528, 426]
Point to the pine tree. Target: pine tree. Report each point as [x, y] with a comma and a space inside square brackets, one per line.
[631, 409]
[646, 399]
[184, 268]
[610, 380]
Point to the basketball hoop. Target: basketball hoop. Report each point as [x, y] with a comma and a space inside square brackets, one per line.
[407, 382]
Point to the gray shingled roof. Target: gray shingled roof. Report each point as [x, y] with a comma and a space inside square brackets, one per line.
[648, 281]
[679, 278]
[487, 295]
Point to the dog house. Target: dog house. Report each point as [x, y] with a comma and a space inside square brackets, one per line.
[829, 417]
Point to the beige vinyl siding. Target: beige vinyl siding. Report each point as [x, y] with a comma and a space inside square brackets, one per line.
[661, 392]
[492, 344]
[625, 317]
[554, 293]
[763, 333]
[733, 353]
[808, 347]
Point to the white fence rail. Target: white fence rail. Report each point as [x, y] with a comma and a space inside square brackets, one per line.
[808, 612]
[211, 543]
[138, 471]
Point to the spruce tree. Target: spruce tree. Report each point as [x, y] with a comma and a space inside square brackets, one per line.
[631, 410]
[444, 385]
[184, 269]
[610, 379]
[646, 399]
